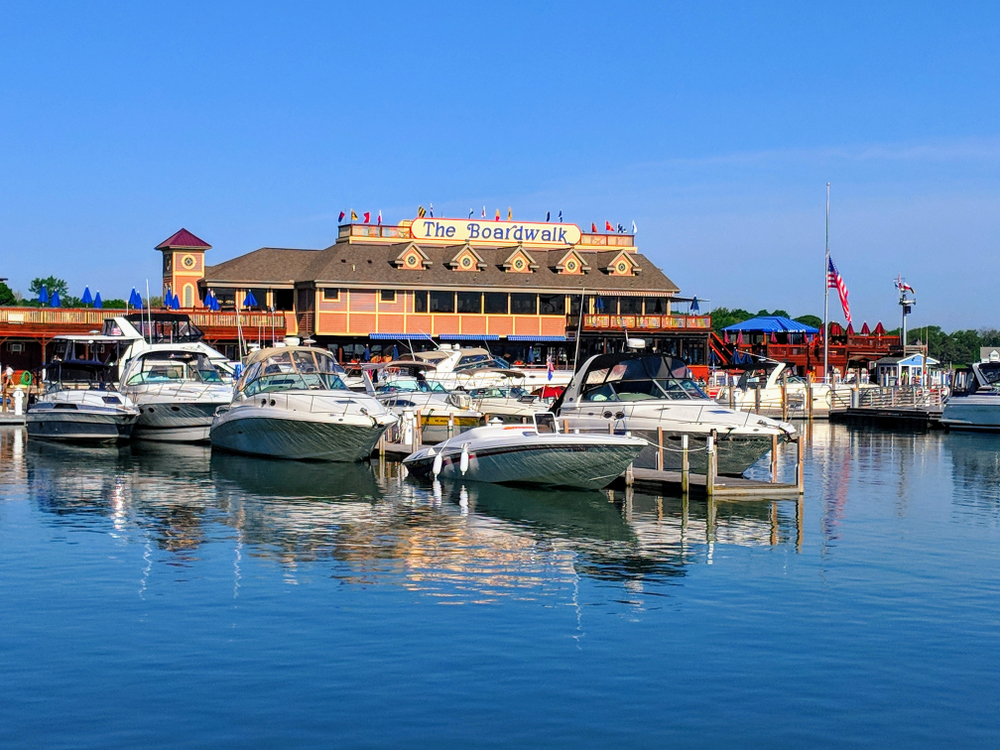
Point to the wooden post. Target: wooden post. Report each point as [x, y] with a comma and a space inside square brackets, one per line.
[659, 454]
[710, 471]
[418, 431]
[685, 466]
[629, 476]
[809, 397]
[774, 458]
[732, 391]
[799, 473]
[756, 399]
[784, 395]
[611, 428]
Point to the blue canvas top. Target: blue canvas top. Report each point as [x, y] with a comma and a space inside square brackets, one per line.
[769, 324]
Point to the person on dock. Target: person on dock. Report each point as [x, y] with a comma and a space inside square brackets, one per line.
[6, 387]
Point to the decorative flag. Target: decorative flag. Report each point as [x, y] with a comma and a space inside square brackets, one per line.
[607, 226]
[835, 281]
[432, 210]
[635, 229]
[368, 216]
[498, 215]
[421, 212]
[471, 211]
[354, 216]
[903, 286]
[484, 212]
[546, 216]
[341, 217]
[380, 217]
[560, 217]
[621, 228]
[593, 227]
[510, 214]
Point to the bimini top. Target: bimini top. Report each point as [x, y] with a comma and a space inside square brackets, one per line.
[630, 376]
[291, 368]
[771, 324]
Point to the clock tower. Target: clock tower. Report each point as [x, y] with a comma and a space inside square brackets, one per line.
[183, 266]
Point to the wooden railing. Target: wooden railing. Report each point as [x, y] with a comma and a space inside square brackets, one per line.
[647, 322]
[56, 316]
[889, 398]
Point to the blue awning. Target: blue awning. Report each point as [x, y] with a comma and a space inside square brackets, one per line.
[771, 324]
[399, 337]
[469, 337]
[536, 338]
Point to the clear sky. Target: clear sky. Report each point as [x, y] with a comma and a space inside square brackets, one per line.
[714, 126]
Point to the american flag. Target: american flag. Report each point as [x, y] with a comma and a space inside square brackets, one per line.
[835, 281]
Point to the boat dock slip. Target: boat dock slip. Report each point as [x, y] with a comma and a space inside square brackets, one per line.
[912, 408]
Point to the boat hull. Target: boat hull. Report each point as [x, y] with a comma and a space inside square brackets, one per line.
[175, 422]
[278, 436]
[577, 466]
[79, 426]
[976, 412]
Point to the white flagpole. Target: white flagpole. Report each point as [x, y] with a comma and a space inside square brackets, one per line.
[826, 293]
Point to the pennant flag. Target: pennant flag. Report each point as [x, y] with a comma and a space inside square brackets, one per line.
[86, 298]
[471, 211]
[341, 217]
[635, 229]
[432, 210]
[510, 214]
[835, 281]
[368, 216]
[43, 295]
[593, 227]
[498, 215]
[380, 217]
[484, 212]
[607, 226]
[55, 299]
[421, 212]
[560, 217]
[546, 216]
[621, 228]
[98, 302]
[354, 216]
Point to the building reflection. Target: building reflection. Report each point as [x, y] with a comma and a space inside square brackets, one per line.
[469, 543]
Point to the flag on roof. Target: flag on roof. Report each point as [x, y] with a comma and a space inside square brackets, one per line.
[368, 216]
[547, 214]
[560, 217]
[510, 214]
[471, 211]
[432, 210]
[354, 216]
[835, 281]
[621, 228]
[607, 226]
[341, 217]
[903, 286]
[421, 212]
[593, 227]
[498, 215]
[484, 212]
[380, 217]
[635, 229]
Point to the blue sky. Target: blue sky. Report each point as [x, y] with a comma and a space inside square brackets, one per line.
[715, 127]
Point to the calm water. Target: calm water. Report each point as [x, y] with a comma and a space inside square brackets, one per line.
[161, 597]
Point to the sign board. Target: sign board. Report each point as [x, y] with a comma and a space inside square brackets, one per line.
[459, 231]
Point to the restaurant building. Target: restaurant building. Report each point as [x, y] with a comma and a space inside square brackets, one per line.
[516, 287]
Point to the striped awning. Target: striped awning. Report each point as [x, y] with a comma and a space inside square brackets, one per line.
[536, 338]
[469, 337]
[399, 337]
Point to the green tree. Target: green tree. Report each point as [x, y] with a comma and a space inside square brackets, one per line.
[7, 296]
[723, 316]
[51, 284]
[114, 304]
[810, 320]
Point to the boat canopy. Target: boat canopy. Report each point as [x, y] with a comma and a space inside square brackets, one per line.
[771, 324]
[291, 368]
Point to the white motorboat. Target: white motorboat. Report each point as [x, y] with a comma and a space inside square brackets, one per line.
[643, 394]
[291, 403]
[765, 378]
[977, 405]
[80, 404]
[475, 367]
[508, 401]
[177, 390]
[536, 454]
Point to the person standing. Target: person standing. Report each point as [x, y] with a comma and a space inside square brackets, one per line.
[7, 384]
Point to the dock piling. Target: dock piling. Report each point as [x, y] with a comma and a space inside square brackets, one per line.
[774, 458]
[799, 473]
[659, 453]
[685, 466]
[784, 395]
[712, 466]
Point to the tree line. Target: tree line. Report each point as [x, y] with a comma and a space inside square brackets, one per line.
[10, 298]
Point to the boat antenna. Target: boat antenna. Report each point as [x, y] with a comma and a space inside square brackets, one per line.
[826, 293]
[149, 312]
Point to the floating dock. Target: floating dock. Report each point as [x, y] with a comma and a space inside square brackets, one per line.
[9, 419]
[920, 418]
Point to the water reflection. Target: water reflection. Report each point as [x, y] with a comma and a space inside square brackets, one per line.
[975, 463]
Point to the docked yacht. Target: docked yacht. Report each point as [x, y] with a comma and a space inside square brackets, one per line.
[536, 454]
[475, 367]
[177, 390]
[766, 378]
[292, 403]
[638, 393]
[80, 404]
[977, 405]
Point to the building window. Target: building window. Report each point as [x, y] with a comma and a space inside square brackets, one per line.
[188, 295]
[442, 302]
[552, 304]
[420, 302]
[656, 306]
[470, 302]
[496, 303]
[630, 306]
[331, 295]
[524, 304]
[283, 299]
[388, 295]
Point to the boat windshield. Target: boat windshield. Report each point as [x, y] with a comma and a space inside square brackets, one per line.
[989, 377]
[171, 367]
[755, 378]
[410, 384]
[631, 381]
[299, 369]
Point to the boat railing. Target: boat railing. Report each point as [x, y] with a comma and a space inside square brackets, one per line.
[187, 388]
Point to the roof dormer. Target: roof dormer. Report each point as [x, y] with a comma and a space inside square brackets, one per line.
[466, 259]
[623, 265]
[519, 262]
[572, 264]
[412, 258]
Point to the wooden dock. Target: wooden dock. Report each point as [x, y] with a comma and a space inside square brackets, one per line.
[9, 419]
[920, 418]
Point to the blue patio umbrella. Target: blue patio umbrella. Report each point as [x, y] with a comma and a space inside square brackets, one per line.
[54, 302]
[599, 304]
[694, 305]
[250, 300]
[175, 302]
[137, 304]
[132, 296]
[368, 353]
[395, 352]
[43, 295]
[86, 299]
[98, 304]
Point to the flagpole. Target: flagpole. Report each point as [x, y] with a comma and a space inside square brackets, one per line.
[826, 293]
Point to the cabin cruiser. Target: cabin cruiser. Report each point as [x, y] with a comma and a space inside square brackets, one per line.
[80, 404]
[977, 405]
[476, 367]
[177, 390]
[766, 378]
[537, 454]
[404, 386]
[638, 393]
[292, 403]
[148, 331]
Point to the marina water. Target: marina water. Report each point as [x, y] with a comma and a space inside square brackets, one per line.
[160, 596]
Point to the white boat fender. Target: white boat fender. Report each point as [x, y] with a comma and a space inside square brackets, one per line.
[438, 463]
[464, 461]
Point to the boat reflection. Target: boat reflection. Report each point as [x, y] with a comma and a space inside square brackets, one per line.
[975, 460]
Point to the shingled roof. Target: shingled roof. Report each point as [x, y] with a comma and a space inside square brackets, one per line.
[375, 265]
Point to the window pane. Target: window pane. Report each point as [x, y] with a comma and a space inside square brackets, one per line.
[656, 306]
[524, 304]
[388, 295]
[470, 302]
[552, 304]
[496, 303]
[283, 299]
[442, 302]
[630, 305]
[331, 295]
[420, 302]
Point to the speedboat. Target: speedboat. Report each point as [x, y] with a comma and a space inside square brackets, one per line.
[291, 403]
[177, 390]
[977, 406]
[536, 454]
[644, 394]
[80, 404]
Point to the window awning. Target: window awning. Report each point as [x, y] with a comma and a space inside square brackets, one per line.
[536, 338]
[399, 337]
[469, 337]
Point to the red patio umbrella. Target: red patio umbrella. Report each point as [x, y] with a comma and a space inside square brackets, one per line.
[880, 329]
[739, 338]
[835, 329]
[865, 330]
[725, 336]
[774, 339]
[850, 329]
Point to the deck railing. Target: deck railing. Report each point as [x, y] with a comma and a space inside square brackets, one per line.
[916, 397]
[56, 316]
